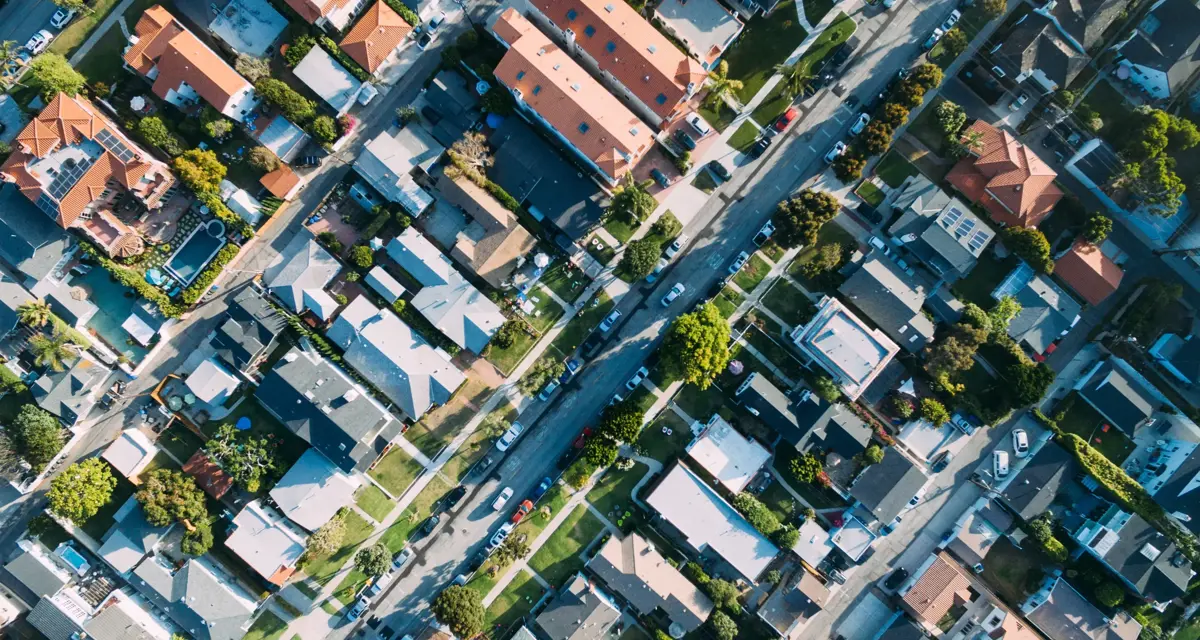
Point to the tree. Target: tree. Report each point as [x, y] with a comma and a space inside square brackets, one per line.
[198, 540]
[807, 467]
[328, 538]
[1003, 312]
[216, 125]
[975, 316]
[299, 48]
[723, 627]
[168, 495]
[621, 421]
[631, 202]
[1109, 594]
[245, 458]
[956, 352]
[873, 454]
[460, 609]
[696, 347]
[506, 335]
[826, 389]
[848, 166]
[1181, 133]
[724, 594]
[252, 69]
[512, 549]
[828, 258]
[600, 451]
[373, 560]
[796, 78]
[786, 536]
[51, 75]
[1041, 527]
[81, 490]
[540, 373]
[1028, 383]
[10, 458]
[894, 114]
[8, 51]
[666, 227]
[639, 258]
[37, 436]
[153, 131]
[324, 129]
[35, 313]
[876, 137]
[799, 218]
[295, 107]
[993, 8]
[972, 141]
[951, 117]
[900, 407]
[1031, 246]
[77, 5]
[934, 411]
[1157, 185]
[263, 159]
[362, 256]
[474, 151]
[926, 76]
[720, 84]
[1146, 136]
[200, 170]
[954, 42]
[51, 351]
[1097, 228]
[910, 95]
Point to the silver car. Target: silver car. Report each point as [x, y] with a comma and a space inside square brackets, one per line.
[675, 292]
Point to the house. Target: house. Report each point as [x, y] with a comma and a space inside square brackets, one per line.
[580, 611]
[36, 568]
[494, 242]
[394, 358]
[1032, 490]
[146, 322]
[1061, 613]
[635, 61]
[891, 299]
[633, 569]
[709, 524]
[299, 275]
[807, 422]
[1047, 312]
[1147, 561]
[975, 536]
[1038, 56]
[1090, 273]
[12, 296]
[852, 353]
[280, 136]
[267, 541]
[313, 491]
[121, 618]
[317, 401]
[60, 616]
[130, 538]
[1006, 178]
[388, 162]
[75, 165]
[939, 586]
[853, 538]
[458, 104]
[212, 383]
[551, 88]
[885, 489]
[795, 601]
[1179, 356]
[943, 593]
[183, 70]
[130, 453]
[69, 395]
[1129, 402]
[1177, 492]
[446, 298]
[31, 245]
[705, 27]
[939, 229]
[728, 456]
[377, 38]
[328, 79]
[197, 597]
[384, 284]
[248, 26]
[1161, 55]
[283, 183]
[327, 14]
[814, 543]
[249, 333]
[208, 475]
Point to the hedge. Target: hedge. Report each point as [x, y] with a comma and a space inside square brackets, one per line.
[756, 513]
[377, 223]
[481, 181]
[135, 281]
[332, 49]
[408, 14]
[11, 382]
[232, 220]
[194, 291]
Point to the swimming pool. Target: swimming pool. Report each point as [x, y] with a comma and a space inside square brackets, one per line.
[200, 246]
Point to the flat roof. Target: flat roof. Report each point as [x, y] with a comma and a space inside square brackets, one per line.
[706, 27]
[845, 346]
[249, 26]
[728, 455]
[328, 79]
[854, 538]
[814, 543]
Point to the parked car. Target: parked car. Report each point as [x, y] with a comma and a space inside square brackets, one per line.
[500, 536]
[510, 436]
[739, 262]
[860, 124]
[61, 17]
[1000, 464]
[542, 488]
[435, 22]
[582, 438]
[838, 149]
[375, 588]
[880, 245]
[431, 522]
[941, 461]
[660, 177]
[896, 579]
[843, 52]
[548, 390]
[1018, 102]
[502, 499]
[719, 169]
[522, 509]
[454, 497]
[699, 124]
[309, 161]
[933, 39]
[476, 562]
[1020, 443]
[782, 122]
[658, 268]
[39, 41]
[637, 378]
[759, 147]
[764, 234]
[401, 557]
[573, 365]
[426, 40]
[685, 140]
[607, 324]
[360, 606]
[674, 293]
[951, 20]
[677, 246]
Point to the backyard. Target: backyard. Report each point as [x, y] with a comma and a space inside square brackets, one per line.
[1080, 418]
[977, 287]
[666, 437]
[1013, 573]
[728, 301]
[180, 442]
[558, 558]
[894, 169]
[396, 471]
[262, 425]
[789, 303]
[766, 42]
[566, 281]
[1110, 105]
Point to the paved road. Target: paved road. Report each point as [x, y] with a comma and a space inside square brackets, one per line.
[20, 19]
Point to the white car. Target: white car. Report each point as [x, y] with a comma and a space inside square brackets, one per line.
[1000, 464]
[357, 610]
[1020, 443]
[860, 124]
[39, 42]
[61, 17]
[510, 436]
[1018, 102]
[933, 38]
[738, 262]
[609, 321]
[401, 558]
[637, 378]
[838, 149]
[675, 292]
[882, 246]
[501, 534]
[764, 234]
[658, 268]
[951, 20]
[699, 124]
[502, 499]
[678, 245]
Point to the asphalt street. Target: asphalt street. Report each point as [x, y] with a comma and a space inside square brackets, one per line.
[20, 19]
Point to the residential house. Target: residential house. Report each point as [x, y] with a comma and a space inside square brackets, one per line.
[384, 284]
[884, 490]
[75, 165]
[1047, 312]
[281, 137]
[328, 79]
[1162, 54]
[550, 87]
[851, 352]
[267, 541]
[705, 27]
[131, 537]
[319, 402]
[729, 457]
[1061, 613]
[249, 333]
[976, 535]
[1178, 356]
[376, 41]
[494, 242]
[943, 593]
[1147, 561]
[251, 27]
[937, 228]
[130, 453]
[633, 569]
[1005, 177]
[212, 383]
[394, 358]
[814, 544]
[388, 162]
[208, 475]
[1090, 273]
[120, 617]
[333, 15]
[239, 201]
[806, 423]
[298, 277]
[1131, 403]
[458, 104]
[37, 569]
[853, 538]
[183, 70]
[313, 491]
[1038, 56]
[283, 183]
[1177, 491]
[31, 245]
[446, 299]
[709, 523]
[580, 611]
[1031, 492]
[60, 616]
[795, 601]
[891, 299]
[70, 394]
[12, 296]
[198, 597]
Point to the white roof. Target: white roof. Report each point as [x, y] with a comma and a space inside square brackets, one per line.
[709, 522]
[387, 162]
[121, 552]
[211, 382]
[852, 352]
[265, 539]
[249, 26]
[384, 284]
[728, 455]
[283, 138]
[130, 452]
[854, 538]
[328, 79]
[814, 543]
[706, 27]
[245, 205]
[301, 270]
[135, 326]
[320, 303]
[313, 490]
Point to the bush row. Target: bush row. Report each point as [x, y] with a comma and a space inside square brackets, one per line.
[232, 221]
[763, 519]
[408, 14]
[194, 291]
[135, 281]
[353, 67]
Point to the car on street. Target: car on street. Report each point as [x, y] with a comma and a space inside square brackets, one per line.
[933, 39]
[684, 139]
[573, 365]
[542, 488]
[39, 41]
[860, 124]
[309, 161]
[782, 122]
[357, 610]
[658, 268]
[843, 52]
[500, 536]
[454, 497]
[436, 22]
[510, 436]
[838, 149]
[401, 558]
[1020, 440]
[61, 17]
[522, 509]
[739, 262]
[637, 378]
[699, 124]
[1018, 102]
[606, 325]
[502, 499]
[759, 147]
[680, 241]
[896, 579]
[375, 588]
[430, 523]
[426, 40]
[880, 245]
[719, 170]
[674, 293]
[476, 562]
[941, 461]
[1000, 464]
[764, 234]
[548, 390]
[660, 177]
[951, 20]
[888, 4]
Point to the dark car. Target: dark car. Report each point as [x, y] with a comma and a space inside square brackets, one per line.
[430, 523]
[476, 562]
[660, 177]
[685, 139]
[759, 147]
[896, 579]
[454, 497]
[483, 465]
[431, 114]
[542, 488]
[309, 161]
[573, 365]
[870, 213]
[719, 169]
[941, 461]
[592, 344]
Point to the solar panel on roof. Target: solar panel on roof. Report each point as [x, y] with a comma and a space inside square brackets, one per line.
[48, 206]
[118, 148]
[964, 228]
[952, 216]
[978, 240]
[70, 173]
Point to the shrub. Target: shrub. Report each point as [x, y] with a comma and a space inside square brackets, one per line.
[1110, 594]
[298, 49]
[576, 476]
[362, 256]
[756, 513]
[324, 129]
[696, 574]
[200, 285]
[263, 159]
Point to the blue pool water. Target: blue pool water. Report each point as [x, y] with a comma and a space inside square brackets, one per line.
[195, 252]
[72, 557]
[114, 303]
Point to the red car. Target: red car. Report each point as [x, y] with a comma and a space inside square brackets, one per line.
[786, 119]
[523, 509]
[583, 436]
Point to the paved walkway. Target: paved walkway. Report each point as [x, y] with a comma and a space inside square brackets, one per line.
[98, 32]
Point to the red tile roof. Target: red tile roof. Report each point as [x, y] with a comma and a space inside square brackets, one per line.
[1006, 178]
[1089, 272]
[578, 107]
[937, 590]
[208, 475]
[624, 44]
[311, 10]
[376, 36]
[281, 181]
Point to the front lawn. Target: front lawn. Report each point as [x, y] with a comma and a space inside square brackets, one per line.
[566, 281]
[720, 115]
[789, 303]
[870, 193]
[268, 626]
[927, 129]
[81, 27]
[772, 106]
[775, 353]
[613, 493]
[894, 169]
[533, 524]
[438, 427]
[396, 471]
[374, 502]
[744, 136]
[506, 360]
[546, 311]
[1081, 419]
[728, 301]
[513, 603]
[414, 514]
[704, 181]
[323, 568]
[581, 325]
[978, 286]
[620, 228]
[655, 442]
[752, 273]
[1013, 573]
[830, 39]
[477, 445]
[97, 65]
[772, 251]
[558, 559]
[766, 42]
[829, 233]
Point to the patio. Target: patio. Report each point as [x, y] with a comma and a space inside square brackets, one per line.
[338, 219]
[157, 226]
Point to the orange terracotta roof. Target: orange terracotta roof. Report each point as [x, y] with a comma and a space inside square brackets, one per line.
[1089, 272]
[281, 181]
[311, 10]
[1007, 178]
[578, 107]
[154, 31]
[208, 475]
[624, 44]
[376, 36]
[937, 590]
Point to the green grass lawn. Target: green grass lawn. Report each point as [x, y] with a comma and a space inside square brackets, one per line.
[535, 523]
[894, 169]
[567, 284]
[870, 193]
[927, 129]
[160, 461]
[81, 27]
[766, 42]
[559, 559]
[751, 273]
[789, 303]
[1111, 105]
[838, 32]
[1012, 572]
[97, 525]
[720, 116]
[546, 311]
[374, 502]
[705, 182]
[772, 251]
[814, 10]
[728, 301]
[268, 626]
[772, 106]
[323, 568]
[581, 325]
[777, 354]
[977, 287]
[98, 65]
[602, 252]
[832, 232]
[699, 403]
[513, 603]
[506, 360]
[620, 228]
[1087, 423]
[642, 398]
[657, 444]
[744, 136]
[437, 428]
[613, 493]
[780, 501]
[414, 514]
[396, 471]
[180, 441]
[475, 446]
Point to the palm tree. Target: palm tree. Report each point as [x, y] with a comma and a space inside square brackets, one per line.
[35, 313]
[720, 84]
[796, 78]
[52, 350]
[973, 140]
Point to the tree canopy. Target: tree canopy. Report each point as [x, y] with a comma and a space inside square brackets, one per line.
[328, 538]
[950, 116]
[460, 609]
[169, 495]
[51, 74]
[621, 421]
[37, 436]
[373, 560]
[631, 202]
[723, 627]
[800, 218]
[934, 411]
[696, 347]
[81, 490]
[295, 107]
[323, 128]
[1097, 228]
[200, 170]
[1031, 246]
[848, 167]
[639, 258]
[247, 459]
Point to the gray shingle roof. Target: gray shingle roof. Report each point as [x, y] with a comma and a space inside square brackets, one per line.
[302, 266]
[1168, 40]
[38, 572]
[939, 229]
[1046, 312]
[633, 569]
[892, 300]
[1034, 487]
[1037, 44]
[204, 605]
[249, 330]
[1161, 578]
[72, 393]
[30, 241]
[885, 488]
[578, 613]
[52, 621]
[1086, 20]
[113, 623]
[1119, 397]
